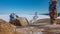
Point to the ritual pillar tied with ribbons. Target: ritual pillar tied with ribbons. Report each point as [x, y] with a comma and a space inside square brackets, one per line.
[53, 9]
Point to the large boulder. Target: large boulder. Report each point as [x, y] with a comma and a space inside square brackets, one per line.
[5, 28]
[19, 21]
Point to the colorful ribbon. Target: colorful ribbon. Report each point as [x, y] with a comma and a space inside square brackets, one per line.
[53, 10]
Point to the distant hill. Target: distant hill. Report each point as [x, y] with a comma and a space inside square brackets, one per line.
[48, 14]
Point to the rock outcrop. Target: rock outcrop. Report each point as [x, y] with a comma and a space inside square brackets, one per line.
[19, 21]
[5, 28]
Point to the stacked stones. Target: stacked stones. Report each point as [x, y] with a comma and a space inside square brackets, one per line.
[53, 11]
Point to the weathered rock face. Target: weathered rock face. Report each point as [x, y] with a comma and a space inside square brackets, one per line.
[5, 28]
[19, 21]
[15, 22]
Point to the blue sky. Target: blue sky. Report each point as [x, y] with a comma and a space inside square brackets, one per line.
[25, 6]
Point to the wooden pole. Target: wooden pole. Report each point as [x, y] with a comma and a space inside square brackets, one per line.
[53, 11]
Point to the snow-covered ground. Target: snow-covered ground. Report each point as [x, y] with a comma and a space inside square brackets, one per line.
[29, 17]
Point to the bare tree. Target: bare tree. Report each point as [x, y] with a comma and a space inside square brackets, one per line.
[34, 17]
